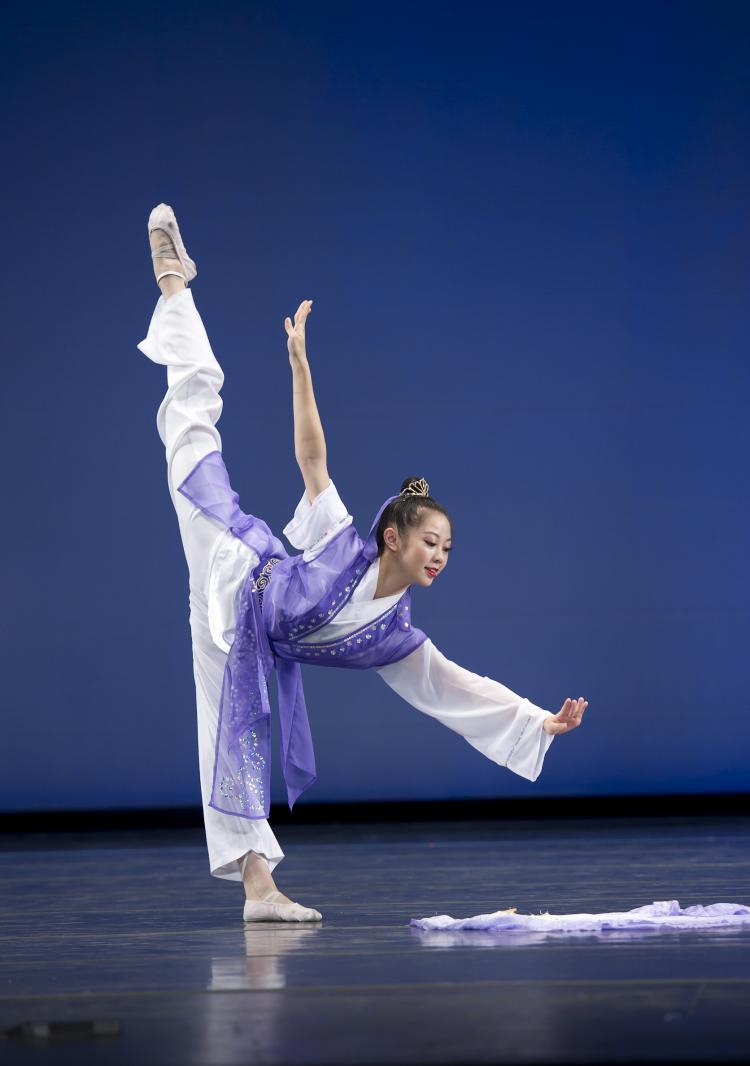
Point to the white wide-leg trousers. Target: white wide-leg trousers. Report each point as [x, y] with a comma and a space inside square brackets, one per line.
[186, 421]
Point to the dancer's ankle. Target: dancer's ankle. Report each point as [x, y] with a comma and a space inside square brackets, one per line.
[170, 285]
[256, 875]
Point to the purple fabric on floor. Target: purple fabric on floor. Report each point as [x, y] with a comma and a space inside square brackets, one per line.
[657, 915]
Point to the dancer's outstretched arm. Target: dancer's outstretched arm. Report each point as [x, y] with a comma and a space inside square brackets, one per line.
[309, 442]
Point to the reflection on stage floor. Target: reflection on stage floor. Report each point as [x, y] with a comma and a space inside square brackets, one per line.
[130, 926]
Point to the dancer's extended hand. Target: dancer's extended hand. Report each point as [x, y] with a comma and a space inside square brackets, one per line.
[567, 718]
[296, 333]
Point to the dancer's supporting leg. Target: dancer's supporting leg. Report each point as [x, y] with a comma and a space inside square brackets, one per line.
[239, 848]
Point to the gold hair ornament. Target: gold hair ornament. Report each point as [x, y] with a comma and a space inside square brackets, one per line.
[416, 488]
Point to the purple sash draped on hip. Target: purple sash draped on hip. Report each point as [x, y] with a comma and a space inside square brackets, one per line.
[284, 598]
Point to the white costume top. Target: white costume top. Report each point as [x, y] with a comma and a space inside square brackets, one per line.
[503, 726]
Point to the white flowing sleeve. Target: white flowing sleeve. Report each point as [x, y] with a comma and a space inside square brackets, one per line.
[505, 727]
[314, 524]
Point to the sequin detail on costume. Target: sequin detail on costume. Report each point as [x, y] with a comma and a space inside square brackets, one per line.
[340, 595]
[517, 741]
[244, 774]
[353, 642]
[261, 581]
[247, 787]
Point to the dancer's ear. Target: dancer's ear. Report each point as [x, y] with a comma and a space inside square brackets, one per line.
[391, 538]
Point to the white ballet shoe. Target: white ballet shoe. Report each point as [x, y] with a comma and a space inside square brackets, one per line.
[267, 910]
[163, 218]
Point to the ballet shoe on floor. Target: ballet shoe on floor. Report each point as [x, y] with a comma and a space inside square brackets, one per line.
[163, 218]
[269, 910]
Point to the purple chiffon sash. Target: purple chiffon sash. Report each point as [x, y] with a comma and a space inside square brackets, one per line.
[283, 599]
[241, 783]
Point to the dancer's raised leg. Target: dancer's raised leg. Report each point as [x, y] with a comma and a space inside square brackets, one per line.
[239, 848]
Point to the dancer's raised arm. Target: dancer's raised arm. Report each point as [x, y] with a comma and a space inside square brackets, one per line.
[309, 442]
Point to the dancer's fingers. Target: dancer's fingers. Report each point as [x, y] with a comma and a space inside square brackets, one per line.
[288, 324]
[579, 708]
[569, 716]
[302, 312]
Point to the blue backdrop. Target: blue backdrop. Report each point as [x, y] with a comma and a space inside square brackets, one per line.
[525, 229]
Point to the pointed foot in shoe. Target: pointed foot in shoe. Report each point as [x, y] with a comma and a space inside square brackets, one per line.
[163, 218]
[263, 911]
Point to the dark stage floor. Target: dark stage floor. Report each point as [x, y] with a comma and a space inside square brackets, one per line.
[130, 926]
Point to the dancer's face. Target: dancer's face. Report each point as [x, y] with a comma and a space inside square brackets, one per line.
[423, 554]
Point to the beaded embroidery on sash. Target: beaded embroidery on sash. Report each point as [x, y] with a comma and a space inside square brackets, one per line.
[261, 581]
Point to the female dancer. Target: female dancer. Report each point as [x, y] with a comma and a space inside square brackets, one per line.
[342, 602]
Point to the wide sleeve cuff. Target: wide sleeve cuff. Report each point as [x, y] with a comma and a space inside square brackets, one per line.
[531, 744]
